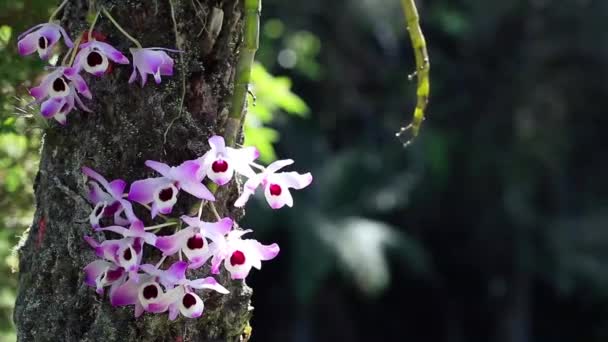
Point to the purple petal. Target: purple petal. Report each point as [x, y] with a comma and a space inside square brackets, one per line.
[133, 75]
[198, 190]
[159, 167]
[218, 144]
[28, 44]
[93, 270]
[222, 227]
[208, 283]
[171, 244]
[176, 272]
[142, 191]
[265, 252]
[277, 165]
[117, 187]
[31, 29]
[295, 180]
[66, 38]
[108, 50]
[81, 86]
[96, 194]
[126, 294]
[51, 106]
[186, 172]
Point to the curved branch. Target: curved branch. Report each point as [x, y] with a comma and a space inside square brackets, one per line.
[422, 69]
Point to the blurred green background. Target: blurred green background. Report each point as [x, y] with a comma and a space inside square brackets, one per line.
[492, 226]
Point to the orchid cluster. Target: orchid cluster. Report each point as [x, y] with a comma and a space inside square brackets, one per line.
[59, 92]
[122, 265]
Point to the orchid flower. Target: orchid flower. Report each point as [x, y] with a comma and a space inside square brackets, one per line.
[276, 185]
[58, 92]
[101, 273]
[192, 240]
[108, 201]
[93, 57]
[240, 255]
[42, 38]
[220, 162]
[180, 296]
[153, 61]
[162, 191]
[126, 252]
[141, 292]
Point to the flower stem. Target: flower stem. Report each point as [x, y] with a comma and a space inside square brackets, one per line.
[257, 166]
[167, 224]
[107, 14]
[242, 77]
[74, 50]
[57, 10]
[215, 213]
[160, 262]
[422, 68]
[93, 25]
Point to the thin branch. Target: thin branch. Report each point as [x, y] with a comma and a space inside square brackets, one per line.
[109, 16]
[422, 69]
[183, 67]
[57, 10]
[242, 77]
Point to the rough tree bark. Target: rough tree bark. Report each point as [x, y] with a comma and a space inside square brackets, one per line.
[127, 127]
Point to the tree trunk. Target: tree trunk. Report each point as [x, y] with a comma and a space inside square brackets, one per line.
[127, 127]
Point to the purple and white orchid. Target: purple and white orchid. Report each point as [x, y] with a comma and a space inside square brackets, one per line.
[240, 255]
[42, 38]
[220, 162]
[58, 92]
[162, 191]
[94, 57]
[108, 201]
[276, 185]
[153, 61]
[192, 241]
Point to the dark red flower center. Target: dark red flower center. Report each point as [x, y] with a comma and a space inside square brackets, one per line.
[219, 166]
[127, 254]
[59, 84]
[188, 300]
[150, 291]
[114, 274]
[165, 194]
[237, 258]
[99, 210]
[275, 189]
[94, 58]
[42, 42]
[196, 242]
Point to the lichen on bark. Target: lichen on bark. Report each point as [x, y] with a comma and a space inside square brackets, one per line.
[128, 126]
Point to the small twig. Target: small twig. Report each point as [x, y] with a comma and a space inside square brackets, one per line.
[57, 10]
[183, 67]
[200, 209]
[167, 224]
[93, 25]
[214, 210]
[74, 51]
[107, 14]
